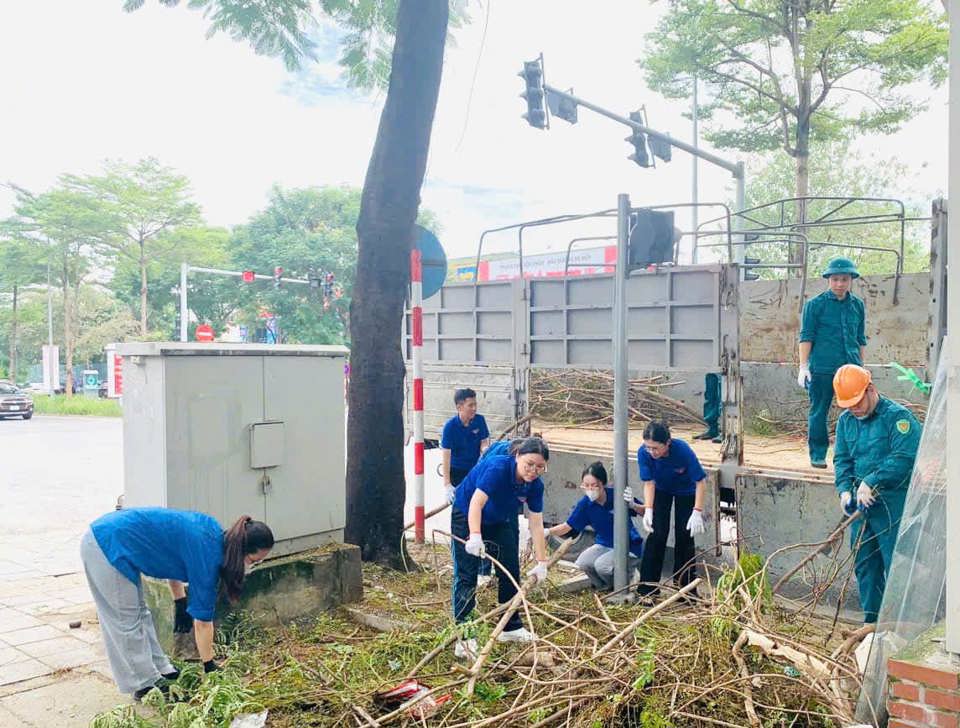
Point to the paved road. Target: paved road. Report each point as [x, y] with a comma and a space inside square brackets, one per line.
[56, 475]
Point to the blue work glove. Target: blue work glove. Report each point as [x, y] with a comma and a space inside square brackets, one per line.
[847, 503]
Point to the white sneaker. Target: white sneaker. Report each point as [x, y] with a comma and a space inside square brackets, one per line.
[516, 635]
[465, 649]
[483, 580]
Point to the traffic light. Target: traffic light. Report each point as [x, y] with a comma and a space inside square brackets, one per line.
[532, 75]
[639, 141]
[248, 276]
[277, 275]
[748, 263]
[562, 107]
[651, 238]
[661, 148]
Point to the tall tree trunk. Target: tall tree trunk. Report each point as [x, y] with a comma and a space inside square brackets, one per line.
[13, 337]
[388, 210]
[803, 173]
[143, 292]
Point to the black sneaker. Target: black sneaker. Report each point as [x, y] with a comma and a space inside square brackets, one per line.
[140, 694]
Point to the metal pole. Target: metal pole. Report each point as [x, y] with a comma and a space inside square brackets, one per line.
[952, 352]
[49, 308]
[739, 251]
[416, 320]
[733, 168]
[184, 268]
[621, 472]
[695, 211]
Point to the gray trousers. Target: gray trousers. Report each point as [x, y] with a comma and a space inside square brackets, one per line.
[597, 563]
[136, 658]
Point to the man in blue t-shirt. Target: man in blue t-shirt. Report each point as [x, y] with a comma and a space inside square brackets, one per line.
[465, 436]
[672, 479]
[595, 509]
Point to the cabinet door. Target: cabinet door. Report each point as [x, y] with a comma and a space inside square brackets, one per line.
[307, 494]
[211, 403]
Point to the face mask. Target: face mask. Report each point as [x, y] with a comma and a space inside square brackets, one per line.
[593, 494]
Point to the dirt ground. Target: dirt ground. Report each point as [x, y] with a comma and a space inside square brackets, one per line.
[778, 453]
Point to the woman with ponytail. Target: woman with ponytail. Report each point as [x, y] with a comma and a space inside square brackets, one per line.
[183, 547]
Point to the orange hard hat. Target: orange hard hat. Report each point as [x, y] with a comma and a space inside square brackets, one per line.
[849, 383]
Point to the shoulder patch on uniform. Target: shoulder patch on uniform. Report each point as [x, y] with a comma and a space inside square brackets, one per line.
[903, 426]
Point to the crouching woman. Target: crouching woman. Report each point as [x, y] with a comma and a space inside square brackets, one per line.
[595, 509]
[182, 547]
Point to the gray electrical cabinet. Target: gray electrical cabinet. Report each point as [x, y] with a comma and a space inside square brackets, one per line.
[238, 429]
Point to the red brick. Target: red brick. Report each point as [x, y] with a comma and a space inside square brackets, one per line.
[894, 723]
[907, 711]
[944, 720]
[922, 674]
[940, 699]
[907, 691]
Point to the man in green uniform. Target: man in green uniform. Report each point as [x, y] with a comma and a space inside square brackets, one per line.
[876, 445]
[831, 335]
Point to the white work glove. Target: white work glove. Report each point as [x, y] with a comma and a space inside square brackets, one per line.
[628, 495]
[475, 545]
[451, 492]
[695, 524]
[803, 377]
[865, 496]
[648, 520]
[539, 571]
[845, 499]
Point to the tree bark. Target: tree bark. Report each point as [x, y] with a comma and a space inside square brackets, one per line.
[143, 291]
[13, 337]
[388, 210]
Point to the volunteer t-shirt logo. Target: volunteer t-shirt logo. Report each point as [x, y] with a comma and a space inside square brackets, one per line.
[903, 426]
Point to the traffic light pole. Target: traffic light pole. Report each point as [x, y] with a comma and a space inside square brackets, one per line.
[621, 459]
[737, 169]
[186, 269]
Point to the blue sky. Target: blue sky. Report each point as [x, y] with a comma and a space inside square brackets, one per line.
[84, 82]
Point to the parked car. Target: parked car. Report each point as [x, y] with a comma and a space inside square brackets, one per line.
[14, 402]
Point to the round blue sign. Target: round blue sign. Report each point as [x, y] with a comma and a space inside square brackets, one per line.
[434, 261]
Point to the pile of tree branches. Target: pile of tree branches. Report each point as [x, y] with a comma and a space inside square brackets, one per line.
[585, 397]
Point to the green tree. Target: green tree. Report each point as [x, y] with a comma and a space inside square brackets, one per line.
[837, 171]
[22, 264]
[782, 74]
[388, 210]
[72, 226]
[304, 231]
[145, 201]
[211, 299]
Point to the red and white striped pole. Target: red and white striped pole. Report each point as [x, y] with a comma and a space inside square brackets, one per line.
[416, 305]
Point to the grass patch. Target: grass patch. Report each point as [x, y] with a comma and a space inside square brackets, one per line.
[59, 404]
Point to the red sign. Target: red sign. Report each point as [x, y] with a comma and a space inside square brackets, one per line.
[117, 375]
[248, 276]
[204, 332]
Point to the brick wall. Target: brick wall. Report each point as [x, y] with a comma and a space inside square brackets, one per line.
[923, 692]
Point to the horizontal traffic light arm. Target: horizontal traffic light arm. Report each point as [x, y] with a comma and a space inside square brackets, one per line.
[735, 168]
[239, 274]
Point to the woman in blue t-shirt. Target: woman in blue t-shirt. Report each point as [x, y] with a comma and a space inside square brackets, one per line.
[671, 476]
[595, 509]
[484, 517]
[183, 547]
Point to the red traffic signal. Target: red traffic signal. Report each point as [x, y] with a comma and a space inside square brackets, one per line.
[248, 276]
[277, 272]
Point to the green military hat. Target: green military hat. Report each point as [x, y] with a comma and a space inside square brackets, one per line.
[841, 266]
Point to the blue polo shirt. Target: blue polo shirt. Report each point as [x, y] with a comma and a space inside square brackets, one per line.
[166, 544]
[500, 447]
[497, 477]
[600, 518]
[464, 442]
[677, 472]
